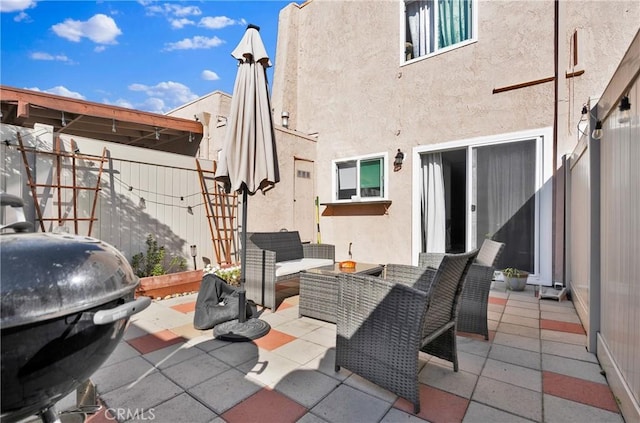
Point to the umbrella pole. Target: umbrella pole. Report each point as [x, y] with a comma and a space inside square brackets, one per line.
[242, 307]
[241, 329]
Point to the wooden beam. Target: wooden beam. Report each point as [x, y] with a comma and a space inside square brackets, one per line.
[23, 109]
[84, 107]
[536, 82]
[523, 85]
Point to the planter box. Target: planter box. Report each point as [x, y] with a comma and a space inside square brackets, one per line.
[173, 283]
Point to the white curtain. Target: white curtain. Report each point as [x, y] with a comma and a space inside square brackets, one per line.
[505, 199]
[419, 20]
[433, 204]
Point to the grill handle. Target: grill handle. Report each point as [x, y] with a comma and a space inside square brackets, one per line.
[123, 311]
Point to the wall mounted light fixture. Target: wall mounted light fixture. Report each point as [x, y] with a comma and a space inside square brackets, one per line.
[624, 107]
[597, 133]
[397, 162]
[113, 126]
[285, 119]
[194, 253]
[157, 133]
[63, 121]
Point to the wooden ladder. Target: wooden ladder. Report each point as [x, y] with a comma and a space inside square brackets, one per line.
[72, 157]
[221, 216]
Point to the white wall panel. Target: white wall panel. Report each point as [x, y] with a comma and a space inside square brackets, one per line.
[160, 178]
[620, 229]
[580, 232]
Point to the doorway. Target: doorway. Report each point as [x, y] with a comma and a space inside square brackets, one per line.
[454, 167]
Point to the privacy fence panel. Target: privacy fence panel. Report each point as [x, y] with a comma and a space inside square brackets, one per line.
[579, 229]
[603, 248]
[620, 230]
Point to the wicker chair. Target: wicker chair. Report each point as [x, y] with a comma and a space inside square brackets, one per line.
[383, 323]
[472, 316]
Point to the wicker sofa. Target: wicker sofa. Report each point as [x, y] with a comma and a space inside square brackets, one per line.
[276, 257]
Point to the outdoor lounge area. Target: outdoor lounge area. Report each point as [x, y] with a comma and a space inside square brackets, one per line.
[534, 367]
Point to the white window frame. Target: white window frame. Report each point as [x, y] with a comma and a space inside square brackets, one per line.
[357, 198]
[403, 31]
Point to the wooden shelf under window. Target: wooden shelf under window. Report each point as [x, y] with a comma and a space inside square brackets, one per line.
[356, 208]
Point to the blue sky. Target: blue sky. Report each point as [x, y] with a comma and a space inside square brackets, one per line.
[145, 55]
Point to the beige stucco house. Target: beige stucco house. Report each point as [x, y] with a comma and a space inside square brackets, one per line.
[494, 121]
[490, 113]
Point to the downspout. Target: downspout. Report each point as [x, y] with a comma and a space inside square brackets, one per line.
[556, 64]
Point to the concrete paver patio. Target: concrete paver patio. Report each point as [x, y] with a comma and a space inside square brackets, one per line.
[535, 367]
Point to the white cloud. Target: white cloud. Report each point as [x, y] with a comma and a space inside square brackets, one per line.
[100, 29]
[168, 9]
[41, 55]
[184, 10]
[180, 23]
[22, 17]
[155, 105]
[219, 22]
[209, 75]
[197, 42]
[16, 5]
[60, 90]
[164, 96]
[121, 103]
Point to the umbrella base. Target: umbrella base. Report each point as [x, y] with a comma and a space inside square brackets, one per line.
[236, 331]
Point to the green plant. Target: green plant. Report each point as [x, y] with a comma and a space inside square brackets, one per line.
[155, 261]
[512, 272]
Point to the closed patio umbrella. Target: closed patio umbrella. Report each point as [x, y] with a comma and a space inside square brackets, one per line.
[249, 161]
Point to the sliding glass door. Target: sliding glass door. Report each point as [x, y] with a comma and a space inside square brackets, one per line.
[504, 200]
[490, 191]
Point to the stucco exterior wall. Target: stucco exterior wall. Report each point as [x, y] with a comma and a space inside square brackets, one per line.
[212, 111]
[273, 210]
[605, 31]
[339, 74]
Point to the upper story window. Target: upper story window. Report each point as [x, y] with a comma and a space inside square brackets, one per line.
[360, 178]
[434, 25]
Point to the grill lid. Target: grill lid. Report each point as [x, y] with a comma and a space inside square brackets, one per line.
[47, 275]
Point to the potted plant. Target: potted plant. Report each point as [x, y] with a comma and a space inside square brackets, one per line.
[515, 279]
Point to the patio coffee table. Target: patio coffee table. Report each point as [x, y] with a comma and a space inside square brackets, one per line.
[319, 289]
